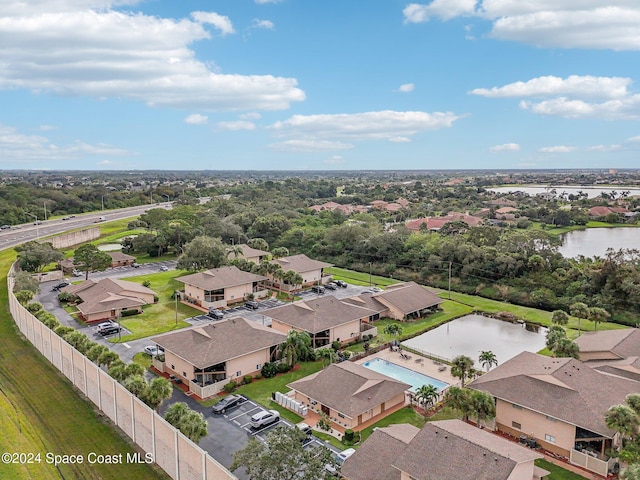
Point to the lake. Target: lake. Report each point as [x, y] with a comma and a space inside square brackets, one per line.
[472, 334]
[591, 191]
[596, 241]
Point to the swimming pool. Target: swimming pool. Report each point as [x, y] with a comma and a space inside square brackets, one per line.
[415, 379]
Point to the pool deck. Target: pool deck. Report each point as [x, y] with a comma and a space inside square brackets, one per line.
[426, 366]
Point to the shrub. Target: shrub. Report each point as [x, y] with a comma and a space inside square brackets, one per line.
[160, 357]
[348, 435]
[128, 313]
[283, 367]
[230, 387]
[336, 345]
[146, 283]
[269, 370]
[34, 307]
[247, 379]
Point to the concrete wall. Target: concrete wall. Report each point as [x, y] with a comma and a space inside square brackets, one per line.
[349, 332]
[180, 458]
[75, 238]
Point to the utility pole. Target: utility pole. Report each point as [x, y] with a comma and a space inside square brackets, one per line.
[45, 210]
[369, 273]
[450, 280]
[175, 294]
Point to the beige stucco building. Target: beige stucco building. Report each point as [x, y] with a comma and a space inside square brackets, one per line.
[311, 271]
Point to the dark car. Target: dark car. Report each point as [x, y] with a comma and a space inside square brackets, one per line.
[341, 283]
[252, 305]
[59, 286]
[227, 403]
[331, 286]
[215, 314]
[317, 289]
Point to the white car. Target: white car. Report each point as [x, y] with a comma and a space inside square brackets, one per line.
[153, 350]
[339, 458]
[264, 418]
[164, 268]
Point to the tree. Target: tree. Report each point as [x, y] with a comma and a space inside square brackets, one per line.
[24, 281]
[159, 390]
[427, 396]
[328, 356]
[258, 243]
[483, 405]
[462, 368]
[280, 252]
[597, 315]
[203, 253]
[77, 340]
[193, 425]
[554, 335]
[566, 347]
[107, 358]
[488, 359]
[175, 412]
[24, 296]
[458, 399]
[282, 457]
[34, 256]
[393, 329]
[296, 346]
[579, 310]
[136, 384]
[623, 419]
[87, 257]
[559, 317]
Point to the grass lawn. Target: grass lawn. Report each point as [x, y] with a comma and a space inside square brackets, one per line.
[359, 278]
[40, 411]
[558, 473]
[260, 390]
[159, 317]
[142, 359]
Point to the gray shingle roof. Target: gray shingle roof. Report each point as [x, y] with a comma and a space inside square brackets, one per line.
[218, 278]
[408, 297]
[318, 314]
[349, 388]
[301, 263]
[621, 343]
[563, 388]
[219, 341]
[108, 294]
[247, 251]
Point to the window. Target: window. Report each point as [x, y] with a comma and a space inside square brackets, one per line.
[549, 438]
[184, 374]
[551, 419]
[258, 366]
[516, 425]
[238, 373]
[516, 406]
[173, 367]
[340, 415]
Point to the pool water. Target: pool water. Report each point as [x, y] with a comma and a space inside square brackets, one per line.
[415, 379]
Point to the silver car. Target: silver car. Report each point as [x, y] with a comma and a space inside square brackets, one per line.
[264, 418]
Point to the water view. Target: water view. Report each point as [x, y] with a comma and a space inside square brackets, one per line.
[591, 192]
[411, 377]
[472, 334]
[595, 241]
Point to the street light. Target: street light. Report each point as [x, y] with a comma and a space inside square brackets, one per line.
[369, 273]
[103, 202]
[45, 210]
[175, 294]
[37, 227]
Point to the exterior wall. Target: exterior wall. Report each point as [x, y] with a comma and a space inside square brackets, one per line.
[311, 277]
[535, 425]
[247, 364]
[231, 295]
[75, 238]
[101, 316]
[178, 367]
[280, 327]
[349, 332]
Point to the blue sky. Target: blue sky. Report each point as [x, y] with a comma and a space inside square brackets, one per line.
[310, 85]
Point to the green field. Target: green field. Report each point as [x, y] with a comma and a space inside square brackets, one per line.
[359, 278]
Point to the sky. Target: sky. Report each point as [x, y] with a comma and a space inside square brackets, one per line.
[319, 85]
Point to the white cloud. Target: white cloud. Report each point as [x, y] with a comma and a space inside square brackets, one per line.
[382, 125]
[506, 147]
[604, 148]
[406, 87]
[591, 24]
[196, 119]
[266, 24]
[627, 108]
[574, 85]
[15, 146]
[46, 128]
[558, 149]
[250, 116]
[399, 139]
[633, 139]
[445, 9]
[309, 145]
[110, 54]
[221, 22]
[236, 125]
[335, 160]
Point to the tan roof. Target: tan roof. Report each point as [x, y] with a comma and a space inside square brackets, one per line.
[349, 388]
[301, 263]
[616, 343]
[109, 301]
[219, 341]
[408, 297]
[120, 257]
[563, 388]
[218, 278]
[627, 367]
[247, 251]
[367, 301]
[372, 461]
[91, 290]
[452, 449]
[318, 314]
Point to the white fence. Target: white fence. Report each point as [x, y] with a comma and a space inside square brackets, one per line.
[591, 463]
[172, 451]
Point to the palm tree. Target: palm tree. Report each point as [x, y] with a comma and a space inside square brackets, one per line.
[554, 335]
[328, 355]
[95, 352]
[458, 399]
[136, 384]
[175, 412]
[580, 310]
[133, 369]
[296, 346]
[597, 315]
[623, 419]
[483, 405]
[559, 317]
[107, 358]
[393, 329]
[194, 426]
[118, 370]
[158, 391]
[77, 340]
[566, 347]
[462, 367]
[488, 359]
[427, 395]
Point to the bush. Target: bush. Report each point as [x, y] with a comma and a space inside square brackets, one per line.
[34, 307]
[247, 379]
[348, 435]
[160, 357]
[283, 367]
[336, 345]
[146, 283]
[269, 370]
[128, 313]
[230, 387]
[311, 356]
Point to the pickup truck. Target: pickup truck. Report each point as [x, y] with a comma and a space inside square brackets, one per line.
[99, 219]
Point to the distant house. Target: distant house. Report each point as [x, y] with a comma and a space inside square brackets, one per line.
[351, 395]
[436, 223]
[109, 298]
[325, 319]
[560, 402]
[219, 287]
[445, 449]
[312, 271]
[603, 211]
[616, 352]
[245, 251]
[118, 259]
[208, 357]
[505, 210]
[400, 301]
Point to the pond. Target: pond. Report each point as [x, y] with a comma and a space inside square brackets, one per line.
[596, 241]
[472, 334]
[591, 191]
